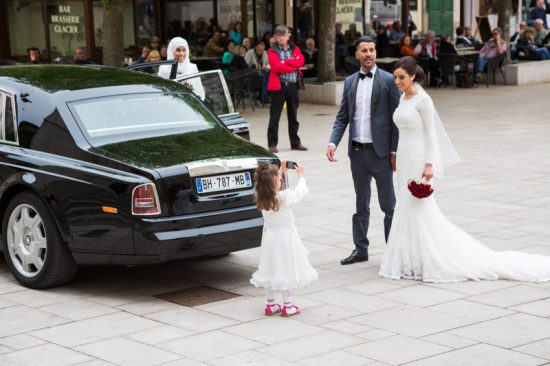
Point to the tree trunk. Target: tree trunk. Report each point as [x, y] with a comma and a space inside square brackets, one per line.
[327, 41]
[113, 44]
[504, 11]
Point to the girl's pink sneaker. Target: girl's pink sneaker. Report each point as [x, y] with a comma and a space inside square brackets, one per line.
[290, 310]
[272, 309]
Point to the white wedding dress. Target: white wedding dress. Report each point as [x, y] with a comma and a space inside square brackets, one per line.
[423, 244]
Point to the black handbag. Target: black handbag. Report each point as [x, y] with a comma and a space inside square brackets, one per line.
[301, 84]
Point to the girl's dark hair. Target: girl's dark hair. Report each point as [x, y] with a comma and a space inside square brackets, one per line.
[402, 40]
[264, 182]
[408, 63]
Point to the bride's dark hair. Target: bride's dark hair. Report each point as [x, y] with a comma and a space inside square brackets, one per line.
[408, 63]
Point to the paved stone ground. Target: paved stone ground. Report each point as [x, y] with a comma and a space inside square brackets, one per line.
[499, 192]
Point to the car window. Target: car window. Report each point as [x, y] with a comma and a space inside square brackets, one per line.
[215, 93]
[9, 120]
[151, 113]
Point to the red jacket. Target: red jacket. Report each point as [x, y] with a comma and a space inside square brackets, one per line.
[279, 67]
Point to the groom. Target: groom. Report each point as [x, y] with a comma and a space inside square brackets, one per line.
[370, 98]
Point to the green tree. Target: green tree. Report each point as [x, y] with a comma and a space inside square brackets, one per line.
[113, 44]
[327, 41]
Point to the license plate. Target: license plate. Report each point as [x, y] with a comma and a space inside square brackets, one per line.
[225, 182]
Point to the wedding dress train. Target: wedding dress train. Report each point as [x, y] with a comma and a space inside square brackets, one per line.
[423, 244]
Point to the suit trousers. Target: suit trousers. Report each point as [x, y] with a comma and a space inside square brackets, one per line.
[365, 165]
[288, 94]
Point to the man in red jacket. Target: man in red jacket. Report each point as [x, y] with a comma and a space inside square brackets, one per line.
[285, 61]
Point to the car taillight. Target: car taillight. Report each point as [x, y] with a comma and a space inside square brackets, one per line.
[145, 200]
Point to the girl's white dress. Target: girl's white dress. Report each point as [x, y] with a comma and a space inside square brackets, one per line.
[283, 257]
[423, 244]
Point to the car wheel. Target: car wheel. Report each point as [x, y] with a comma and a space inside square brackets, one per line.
[34, 250]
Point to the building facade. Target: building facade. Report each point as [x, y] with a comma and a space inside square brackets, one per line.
[57, 27]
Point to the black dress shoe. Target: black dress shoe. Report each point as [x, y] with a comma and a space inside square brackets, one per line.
[354, 258]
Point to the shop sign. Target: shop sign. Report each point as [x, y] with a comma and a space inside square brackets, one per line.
[64, 21]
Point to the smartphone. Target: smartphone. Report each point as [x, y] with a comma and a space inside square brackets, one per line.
[291, 165]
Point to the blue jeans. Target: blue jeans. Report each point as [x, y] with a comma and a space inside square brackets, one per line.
[480, 63]
[543, 53]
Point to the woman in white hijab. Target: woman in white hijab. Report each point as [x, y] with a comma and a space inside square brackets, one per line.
[178, 49]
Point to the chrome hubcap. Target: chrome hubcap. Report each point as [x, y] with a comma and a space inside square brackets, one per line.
[26, 240]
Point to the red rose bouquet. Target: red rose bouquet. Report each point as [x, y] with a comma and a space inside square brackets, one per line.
[420, 188]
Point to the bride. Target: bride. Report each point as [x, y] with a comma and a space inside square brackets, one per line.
[423, 244]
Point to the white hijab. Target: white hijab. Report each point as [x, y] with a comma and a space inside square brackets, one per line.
[185, 67]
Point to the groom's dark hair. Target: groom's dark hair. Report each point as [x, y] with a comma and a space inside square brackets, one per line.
[365, 39]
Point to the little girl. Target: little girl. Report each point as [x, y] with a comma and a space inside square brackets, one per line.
[283, 259]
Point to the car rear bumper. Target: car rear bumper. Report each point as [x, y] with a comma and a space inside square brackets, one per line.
[164, 239]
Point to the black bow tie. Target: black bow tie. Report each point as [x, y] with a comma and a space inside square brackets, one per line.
[362, 75]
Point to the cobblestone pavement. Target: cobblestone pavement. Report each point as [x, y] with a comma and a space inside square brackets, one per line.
[499, 192]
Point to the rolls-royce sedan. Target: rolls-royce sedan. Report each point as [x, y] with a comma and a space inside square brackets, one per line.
[108, 166]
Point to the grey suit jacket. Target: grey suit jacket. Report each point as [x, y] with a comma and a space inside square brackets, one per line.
[385, 98]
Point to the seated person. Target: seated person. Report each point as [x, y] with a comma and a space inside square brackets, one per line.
[493, 48]
[238, 62]
[468, 34]
[396, 33]
[80, 57]
[257, 58]
[369, 31]
[155, 45]
[311, 57]
[228, 56]
[382, 42]
[34, 55]
[152, 57]
[527, 43]
[445, 46]
[235, 35]
[213, 47]
[428, 49]
[538, 12]
[405, 47]
[352, 34]
[144, 54]
[247, 43]
[540, 32]
[515, 36]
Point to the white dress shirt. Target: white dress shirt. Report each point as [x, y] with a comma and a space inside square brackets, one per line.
[362, 120]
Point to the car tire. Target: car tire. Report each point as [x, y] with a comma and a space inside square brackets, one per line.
[33, 247]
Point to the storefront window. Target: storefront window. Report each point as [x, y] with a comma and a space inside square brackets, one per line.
[229, 11]
[264, 17]
[66, 27]
[189, 20]
[349, 13]
[145, 24]
[305, 20]
[383, 12]
[127, 27]
[26, 27]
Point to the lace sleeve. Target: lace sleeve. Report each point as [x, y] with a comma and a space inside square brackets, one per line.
[427, 112]
[291, 197]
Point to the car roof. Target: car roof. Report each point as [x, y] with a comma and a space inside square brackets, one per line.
[66, 78]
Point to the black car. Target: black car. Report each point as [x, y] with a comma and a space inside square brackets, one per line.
[108, 166]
